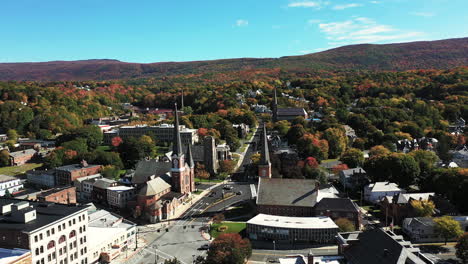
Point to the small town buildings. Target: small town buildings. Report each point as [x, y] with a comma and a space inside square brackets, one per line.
[64, 195]
[375, 192]
[291, 197]
[99, 192]
[54, 233]
[336, 208]
[460, 157]
[41, 178]
[422, 229]
[378, 246]
[66, 175]
[15, 256]
[398, 207]
[353, 178]
[292, 229]
[242, 130]
[84, 186]
[21, 157]
[119, 196]
[109, 236]
[162, 133]
[9, 184]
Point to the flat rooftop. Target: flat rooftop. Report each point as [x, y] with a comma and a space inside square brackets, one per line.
[321, 222]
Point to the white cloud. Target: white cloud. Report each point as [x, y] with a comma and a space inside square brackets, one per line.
[341, 7]
[363, 30]
[309, 4]
[242, 23]
[423, 14]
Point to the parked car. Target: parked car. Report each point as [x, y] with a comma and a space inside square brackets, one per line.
[227, 187]
[239, 193]
[204, 247]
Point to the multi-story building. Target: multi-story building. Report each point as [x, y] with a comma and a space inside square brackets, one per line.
[336, 208]
[99, 192]
[84, 186]
[109, 236]
[21, 157]
[292, 229]
[423, 229]
[375, 192]
[41, 178]
[118, 196]
[162, 133]
[54, 233]
[65, 175]
[64, 195]
[10, 184]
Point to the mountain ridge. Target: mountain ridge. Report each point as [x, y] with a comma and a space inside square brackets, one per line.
[439, 54]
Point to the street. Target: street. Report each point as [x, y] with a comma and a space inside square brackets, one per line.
[181, 238]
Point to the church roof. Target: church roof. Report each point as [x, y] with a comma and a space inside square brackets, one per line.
[149, 167]
[154, 186]
[265, 154]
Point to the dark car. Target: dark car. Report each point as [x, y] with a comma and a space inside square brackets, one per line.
[239, 193]
[204, 247]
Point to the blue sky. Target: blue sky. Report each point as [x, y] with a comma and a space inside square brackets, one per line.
[184, 30]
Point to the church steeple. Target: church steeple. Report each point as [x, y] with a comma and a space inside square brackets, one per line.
[177, 144]
[274, 106]
[264, 166]
[182, 100]
[265, 154]
[190, 161]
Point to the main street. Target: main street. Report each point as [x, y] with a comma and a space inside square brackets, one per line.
[181, 238]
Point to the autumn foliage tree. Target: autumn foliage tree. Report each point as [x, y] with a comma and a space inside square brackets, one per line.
[345, 225]
[447, 227]
[423, 208]
[229, 249]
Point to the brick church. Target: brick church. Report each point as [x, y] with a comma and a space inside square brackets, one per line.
[164, 184]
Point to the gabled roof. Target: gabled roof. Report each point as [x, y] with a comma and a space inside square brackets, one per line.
[104, 183]
[149, 167]
[154, 187]
[404, 198]
[383, 187]
[293, 111]
[292, 192]
[337, 205]
[22, 153]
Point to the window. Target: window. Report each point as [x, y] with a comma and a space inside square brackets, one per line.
[42, 249]
[37, 251]
[51, 244]
[35, 238]
[53, 231]
[62, 239]
[72, 234]
[48, 233]
[40, 236]
[74, 221]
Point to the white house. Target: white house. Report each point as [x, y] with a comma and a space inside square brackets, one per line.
[9, 183]
[374, 192]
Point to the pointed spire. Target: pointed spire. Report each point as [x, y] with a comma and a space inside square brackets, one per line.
[177, 144]
[274, 106]
[265, 153]
[190, 156]
[275, 100]
[182, 100]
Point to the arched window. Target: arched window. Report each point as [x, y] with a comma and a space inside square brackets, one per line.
[51, 244]
[62, 239]
[72, 234]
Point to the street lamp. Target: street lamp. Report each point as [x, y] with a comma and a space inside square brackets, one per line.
[274, 245]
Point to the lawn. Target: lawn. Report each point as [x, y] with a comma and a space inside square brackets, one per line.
[208, 180]
[104, 148]
[228, 227]
[240, 210]
[17, 170]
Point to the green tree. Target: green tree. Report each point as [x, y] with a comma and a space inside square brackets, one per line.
[227, 166]
[110, 172]
[79, 145]
[423, 208]
[378, 150]
[12, 135]
[295, 133]
[283, 127]
[4, 158]
[447, 227]
[345, 225]
[353, 158]
[337, 141]
[462, 248]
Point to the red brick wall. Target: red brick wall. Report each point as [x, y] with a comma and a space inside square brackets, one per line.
[65, 196]
[84, 172]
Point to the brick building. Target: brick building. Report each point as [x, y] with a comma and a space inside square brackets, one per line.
[65, 175]
[64, 195]
[21, 157]
[339, 208]
[99, 192]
